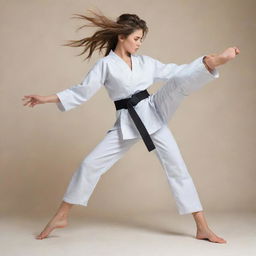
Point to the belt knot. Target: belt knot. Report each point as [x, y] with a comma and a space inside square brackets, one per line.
[133, 101]
[128, 103]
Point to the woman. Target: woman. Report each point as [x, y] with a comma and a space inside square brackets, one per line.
[126, 76]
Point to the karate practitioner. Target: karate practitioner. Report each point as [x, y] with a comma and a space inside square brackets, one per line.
[139, 115]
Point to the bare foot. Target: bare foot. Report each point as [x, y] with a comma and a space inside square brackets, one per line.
[207, 234]
[214, 60]
[58, 221]
[229, 54]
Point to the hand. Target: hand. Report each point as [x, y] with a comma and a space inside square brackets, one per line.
[33, 100]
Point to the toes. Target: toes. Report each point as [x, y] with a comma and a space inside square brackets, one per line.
[213, 239]
[219, 240]
[42, 235]
[222, 240]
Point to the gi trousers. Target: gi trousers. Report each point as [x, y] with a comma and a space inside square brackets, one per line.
[112, 148]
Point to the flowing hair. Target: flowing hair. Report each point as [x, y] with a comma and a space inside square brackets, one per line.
[107, 36]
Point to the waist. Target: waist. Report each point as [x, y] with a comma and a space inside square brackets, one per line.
[131, 101]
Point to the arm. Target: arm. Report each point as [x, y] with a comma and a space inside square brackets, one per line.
[52, 98]
[78, 94]
[33, 99]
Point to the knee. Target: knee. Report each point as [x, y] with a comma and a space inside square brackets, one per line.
[88, 164]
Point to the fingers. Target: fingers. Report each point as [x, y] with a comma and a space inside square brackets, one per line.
[27, 102]
[28, 96]
[30, 101]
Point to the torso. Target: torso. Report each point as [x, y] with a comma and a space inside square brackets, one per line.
[129, 63]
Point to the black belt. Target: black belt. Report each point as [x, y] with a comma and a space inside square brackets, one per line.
[128, 103]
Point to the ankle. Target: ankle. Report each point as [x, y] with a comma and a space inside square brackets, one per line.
[61, 215]
[201, 227]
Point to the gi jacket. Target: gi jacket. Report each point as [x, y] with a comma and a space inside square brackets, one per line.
[121, 82]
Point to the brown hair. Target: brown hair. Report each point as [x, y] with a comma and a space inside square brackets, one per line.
[107, 35]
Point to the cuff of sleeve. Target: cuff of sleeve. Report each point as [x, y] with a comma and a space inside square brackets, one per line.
[61, 105]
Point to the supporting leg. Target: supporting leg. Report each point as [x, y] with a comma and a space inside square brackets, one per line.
[85, 178]
[95, 164]
[181, 183]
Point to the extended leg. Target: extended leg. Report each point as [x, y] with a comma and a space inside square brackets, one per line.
[190, 78]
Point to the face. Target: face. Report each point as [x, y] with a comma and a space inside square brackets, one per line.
[132, 43]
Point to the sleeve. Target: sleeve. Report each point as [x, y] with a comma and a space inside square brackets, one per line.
[187, 77]
[78, 94]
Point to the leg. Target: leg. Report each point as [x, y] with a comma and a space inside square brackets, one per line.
[214, 60]
[167, 99]
[85, 178]
[187, 80]
[181, 183]
[95, 164]
[203, 231]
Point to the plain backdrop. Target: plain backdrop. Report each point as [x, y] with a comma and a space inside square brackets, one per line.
[215, 127]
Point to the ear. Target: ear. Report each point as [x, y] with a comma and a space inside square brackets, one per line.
[121, 37]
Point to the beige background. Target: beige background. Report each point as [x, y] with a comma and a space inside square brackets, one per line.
[214, 127]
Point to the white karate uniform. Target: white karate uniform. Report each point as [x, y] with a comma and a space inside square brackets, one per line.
[155, 112]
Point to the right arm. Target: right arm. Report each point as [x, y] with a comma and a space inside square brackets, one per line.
[32, 100]
[75, 95]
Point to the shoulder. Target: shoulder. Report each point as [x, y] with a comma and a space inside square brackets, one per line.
[99, 63]
[103, 61]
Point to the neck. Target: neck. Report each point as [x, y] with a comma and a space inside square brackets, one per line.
[122, 53]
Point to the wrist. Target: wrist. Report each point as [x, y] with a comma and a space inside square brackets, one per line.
[51, 99]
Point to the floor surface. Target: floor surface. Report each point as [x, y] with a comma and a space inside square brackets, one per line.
[157, 234]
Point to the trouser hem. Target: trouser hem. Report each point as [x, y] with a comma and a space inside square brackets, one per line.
[190, 211]
[84, 203]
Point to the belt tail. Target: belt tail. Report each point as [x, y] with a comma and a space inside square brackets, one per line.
[141, 128]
